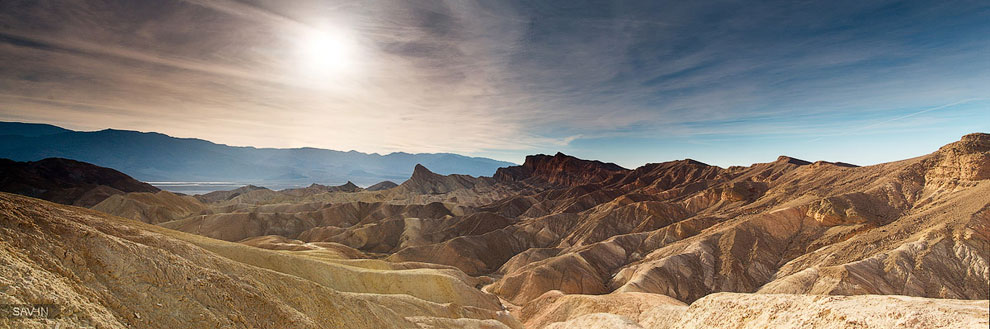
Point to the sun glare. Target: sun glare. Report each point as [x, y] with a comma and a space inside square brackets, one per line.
[324, 51]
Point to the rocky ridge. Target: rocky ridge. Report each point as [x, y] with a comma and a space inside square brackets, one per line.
[561, 241]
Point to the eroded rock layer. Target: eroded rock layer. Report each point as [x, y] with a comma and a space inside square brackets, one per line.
[561, 240]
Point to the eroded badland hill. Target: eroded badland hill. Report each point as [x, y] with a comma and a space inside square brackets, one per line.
[557, 242]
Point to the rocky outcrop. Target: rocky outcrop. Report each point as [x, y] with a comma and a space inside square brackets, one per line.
[424, 181]
[559, 170]
[851, 208]
[967, 159]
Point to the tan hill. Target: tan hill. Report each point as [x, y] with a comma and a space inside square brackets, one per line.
[375, 221]
[111, 272]
[66, 181]
[384, 185]
[154, 208]
[317, 188]
[292, 222]
[219, 196]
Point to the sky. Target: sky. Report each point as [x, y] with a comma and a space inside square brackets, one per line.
[630, 82]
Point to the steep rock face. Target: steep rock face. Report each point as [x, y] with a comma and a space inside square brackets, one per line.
[967, 159]
[66, 181]
[670, 179]
[559, 170]
[793, 161]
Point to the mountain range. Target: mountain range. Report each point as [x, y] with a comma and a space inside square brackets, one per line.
[155, 157]
[557, 242]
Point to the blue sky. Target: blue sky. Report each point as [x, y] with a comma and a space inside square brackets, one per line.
[631, 82]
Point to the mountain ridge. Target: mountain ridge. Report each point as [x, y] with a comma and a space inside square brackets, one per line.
[151, 156]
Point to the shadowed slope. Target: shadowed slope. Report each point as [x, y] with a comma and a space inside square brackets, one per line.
[66, 181]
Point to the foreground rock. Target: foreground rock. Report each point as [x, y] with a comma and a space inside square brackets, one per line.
[555, 307]
[735, 310]
[729, 310]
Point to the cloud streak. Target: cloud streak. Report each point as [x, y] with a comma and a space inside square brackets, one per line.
[502, 79]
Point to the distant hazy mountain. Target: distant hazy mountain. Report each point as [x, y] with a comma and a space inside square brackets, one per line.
[158, 157]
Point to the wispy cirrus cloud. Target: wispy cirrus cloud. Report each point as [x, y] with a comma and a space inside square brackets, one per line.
[500, 78]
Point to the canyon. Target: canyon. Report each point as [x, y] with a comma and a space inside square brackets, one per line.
[557, 242]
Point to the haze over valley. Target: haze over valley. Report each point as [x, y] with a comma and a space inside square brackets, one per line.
[155, 157]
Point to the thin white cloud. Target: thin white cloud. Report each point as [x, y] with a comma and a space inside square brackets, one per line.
[472, 76]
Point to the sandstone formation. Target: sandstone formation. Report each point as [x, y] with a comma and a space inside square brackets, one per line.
[734, 310]
[565, 242]
[555, 307]
[559, 170]
[153, 208]
[684, 229]
[728, 310]
[110, 272]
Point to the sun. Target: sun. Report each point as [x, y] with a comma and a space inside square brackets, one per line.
[325, 51]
